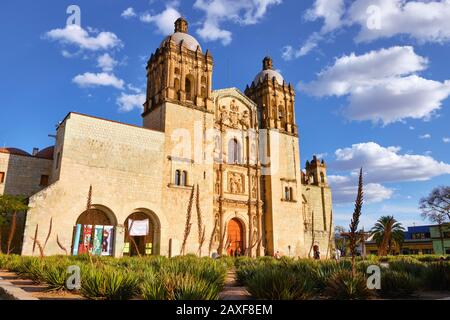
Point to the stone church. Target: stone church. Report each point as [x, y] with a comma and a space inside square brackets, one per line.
[209, 171]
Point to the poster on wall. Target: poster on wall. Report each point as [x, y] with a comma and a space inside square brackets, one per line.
[77, 239]
[85, 245]
[138, 228]
[97, 243]
[107, 242]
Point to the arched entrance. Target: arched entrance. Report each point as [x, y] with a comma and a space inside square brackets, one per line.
[142, 234]
[94, 232]
[235, 240]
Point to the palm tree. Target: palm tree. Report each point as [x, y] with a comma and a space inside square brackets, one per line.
[387, 232]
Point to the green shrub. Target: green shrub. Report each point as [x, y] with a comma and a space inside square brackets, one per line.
[408, 265]
[109, 284]
[344, 286]
[398, 283]
[278, 283]
[437, 276]
[54, 276]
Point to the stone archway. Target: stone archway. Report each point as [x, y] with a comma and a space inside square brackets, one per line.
[94, 232]
[142, 244]
[235, 237]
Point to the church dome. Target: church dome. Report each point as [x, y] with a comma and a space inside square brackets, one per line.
[271, 73]
[14, 151]
[46, 153]
[181, 36]
[268, 71]
[185, 39]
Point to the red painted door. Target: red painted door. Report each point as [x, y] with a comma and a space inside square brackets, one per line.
[235, 238]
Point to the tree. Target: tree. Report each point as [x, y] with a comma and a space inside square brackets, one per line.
[339, 238]
[388, 232]
[436, 208]
[9, 207]
[437, 202]
[354, 234]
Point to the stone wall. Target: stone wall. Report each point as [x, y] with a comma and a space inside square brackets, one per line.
[22, 174]
[122, 163]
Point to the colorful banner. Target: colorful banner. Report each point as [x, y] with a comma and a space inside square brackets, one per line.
[97, 244]
[76, 239]
[107, 242]
[85, 246]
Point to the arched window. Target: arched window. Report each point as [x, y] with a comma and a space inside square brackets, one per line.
[184, 178]
[188, 89]
[234, 151]
[177, 84]
[322, 177]
[178, 177]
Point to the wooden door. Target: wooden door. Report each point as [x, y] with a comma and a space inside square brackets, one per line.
[235, 238]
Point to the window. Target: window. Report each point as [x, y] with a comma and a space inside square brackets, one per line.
[44, 181]
[234, 151]
[184, 178]
[2, 177]
[287, 194]
[58, 160]
[291, 194]
[188, 88]
[322, 177]
[178, 177]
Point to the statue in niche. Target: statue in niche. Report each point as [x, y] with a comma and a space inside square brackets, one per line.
[253, 187]
[223, 114]
[245, 121]
[235, 183]
[217, 184]
[233, 106]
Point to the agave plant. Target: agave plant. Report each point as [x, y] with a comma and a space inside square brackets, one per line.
[345, 285]
[278, 283]
[398, 284]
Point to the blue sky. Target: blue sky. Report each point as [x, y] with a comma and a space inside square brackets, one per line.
[372, 78]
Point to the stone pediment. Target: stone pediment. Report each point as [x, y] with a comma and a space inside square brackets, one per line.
[234, 109]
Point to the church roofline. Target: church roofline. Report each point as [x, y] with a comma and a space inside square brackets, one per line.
[224, 91]
[107, 120]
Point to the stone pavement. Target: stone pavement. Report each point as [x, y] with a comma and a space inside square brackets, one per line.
[232, 290]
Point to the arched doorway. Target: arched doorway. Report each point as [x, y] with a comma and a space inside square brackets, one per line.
[94, 232]
[142, 234]
[235, 232]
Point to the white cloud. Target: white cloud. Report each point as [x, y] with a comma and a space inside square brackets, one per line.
[236, 11]
[330, 11]
[425, 136]
[106, 62]
[163, 21]
[128, 13]
[446, 140]
[345, 189]
[381, 165]
[129, 102]
[425, 21]
[75, 35]
[89, 79]
[411, 128]
[382, 86]
[386, 164]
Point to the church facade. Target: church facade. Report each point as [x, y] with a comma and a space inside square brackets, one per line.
[210, 171]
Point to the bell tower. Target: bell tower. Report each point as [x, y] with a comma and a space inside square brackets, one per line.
[179, 72]
[275, 99]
